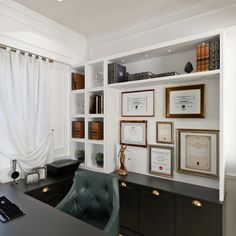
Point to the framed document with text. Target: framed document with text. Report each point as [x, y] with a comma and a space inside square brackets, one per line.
[133, 133]
[138, 103]
[164, 132]
[198, 152]
[161, 160]
[185, 101]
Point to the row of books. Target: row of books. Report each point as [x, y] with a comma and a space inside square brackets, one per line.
[208, 56]
[96, 104]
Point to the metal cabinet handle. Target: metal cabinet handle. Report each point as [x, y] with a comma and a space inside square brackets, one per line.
[155, 192]
[123, 184]
[45, 190]
[196, 203]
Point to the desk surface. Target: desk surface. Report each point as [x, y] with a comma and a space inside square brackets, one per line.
[41, 219]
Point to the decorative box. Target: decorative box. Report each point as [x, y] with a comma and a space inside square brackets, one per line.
[77, 81]
[77, 129]
[96, 130]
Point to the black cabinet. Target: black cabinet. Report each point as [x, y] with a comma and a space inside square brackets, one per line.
[156, 213]
[129, 207]
[52, 194]
[196, 217]
[151, 206]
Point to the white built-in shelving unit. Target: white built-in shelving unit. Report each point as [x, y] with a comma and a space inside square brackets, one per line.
[160, 58]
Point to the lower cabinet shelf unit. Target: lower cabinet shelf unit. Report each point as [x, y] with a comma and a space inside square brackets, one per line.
[151, 206]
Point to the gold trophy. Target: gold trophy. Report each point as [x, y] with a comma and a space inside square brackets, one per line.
[122, 170]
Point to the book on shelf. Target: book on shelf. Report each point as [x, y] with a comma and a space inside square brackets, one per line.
[77, 81]
[77, 129]
[96, 130]
[208, 56]
[96, 104]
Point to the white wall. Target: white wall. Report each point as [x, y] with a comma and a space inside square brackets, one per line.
[24, 29]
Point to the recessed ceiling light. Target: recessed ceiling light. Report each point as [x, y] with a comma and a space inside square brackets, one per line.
[60, 0]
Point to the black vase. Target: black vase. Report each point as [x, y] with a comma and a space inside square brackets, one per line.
[188, 67]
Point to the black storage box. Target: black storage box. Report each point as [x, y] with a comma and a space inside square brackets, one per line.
[116, 73]
[62, 167]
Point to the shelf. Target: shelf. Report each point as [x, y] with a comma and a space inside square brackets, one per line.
[93, 168]
[78, 91]
[195, 76]
[96, 115]
[78, 140]
[78, 116]
[95, 89]
[100, 142]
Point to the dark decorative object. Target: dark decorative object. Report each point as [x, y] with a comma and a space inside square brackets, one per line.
[15, 174]
[99, 159]
[188, 67]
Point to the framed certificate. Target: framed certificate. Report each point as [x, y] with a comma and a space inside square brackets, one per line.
[133, 133]
[185, 102]
[198, 152]
[138, 103]
[161, 160]
[164, 132]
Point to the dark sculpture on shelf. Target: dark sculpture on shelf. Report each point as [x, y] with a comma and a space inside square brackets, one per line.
[188, 67]
[122, 170]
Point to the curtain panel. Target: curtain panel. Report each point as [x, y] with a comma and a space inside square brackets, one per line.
[25, 109]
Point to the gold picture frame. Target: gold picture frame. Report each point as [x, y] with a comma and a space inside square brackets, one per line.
[130, 130]
[139, 103]
[198, 152]
[164, 132]
[185, 101]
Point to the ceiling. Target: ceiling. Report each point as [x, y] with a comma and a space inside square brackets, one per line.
[91, 17]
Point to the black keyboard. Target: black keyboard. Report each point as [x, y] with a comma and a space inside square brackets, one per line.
[8, 210]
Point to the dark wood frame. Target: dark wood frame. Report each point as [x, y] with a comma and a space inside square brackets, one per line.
[178, 133]
[137, 91]
[172, 129]
[190, 87]
[172, 157]
[134, 121]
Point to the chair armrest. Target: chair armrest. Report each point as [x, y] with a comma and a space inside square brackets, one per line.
[112, 226]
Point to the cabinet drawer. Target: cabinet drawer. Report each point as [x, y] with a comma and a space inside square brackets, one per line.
[129, 206]
[195, 217]
[157, 210]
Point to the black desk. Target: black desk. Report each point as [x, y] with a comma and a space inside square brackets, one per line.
[41, 219]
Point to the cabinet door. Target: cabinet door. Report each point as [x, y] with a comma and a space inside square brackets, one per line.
[157, 211]
[195, 218]
[129, 210]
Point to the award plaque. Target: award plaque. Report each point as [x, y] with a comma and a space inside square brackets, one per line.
[198, 152]
[185, 102]
[138, 103]
[133, 133]
[164, 132]
[161, 160]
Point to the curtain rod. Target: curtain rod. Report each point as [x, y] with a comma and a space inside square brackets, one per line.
[2, 46]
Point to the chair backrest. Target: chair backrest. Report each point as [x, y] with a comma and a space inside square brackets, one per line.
[93, 194]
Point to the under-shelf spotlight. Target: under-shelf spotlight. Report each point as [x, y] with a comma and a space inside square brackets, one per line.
[146, 56]
[60, 0]
[169, 51]
[169, 82]
[203, 78]
[123, 61]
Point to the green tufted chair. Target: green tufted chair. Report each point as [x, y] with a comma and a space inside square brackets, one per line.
[94, 199]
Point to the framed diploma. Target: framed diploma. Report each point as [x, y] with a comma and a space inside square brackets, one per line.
[138, 103]
[185, 102]
[198, 152]
[164, 132]
[133, 133]
[161, 160]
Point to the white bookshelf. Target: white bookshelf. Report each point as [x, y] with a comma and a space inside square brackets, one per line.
[160, 58]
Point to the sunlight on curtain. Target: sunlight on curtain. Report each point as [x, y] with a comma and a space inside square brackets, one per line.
[24, 109]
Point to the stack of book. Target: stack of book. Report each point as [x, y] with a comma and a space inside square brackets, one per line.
[96, 130]
[96, 104]
[77, 129]
[208, 56]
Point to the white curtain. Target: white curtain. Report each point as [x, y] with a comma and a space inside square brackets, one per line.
[25, 109]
